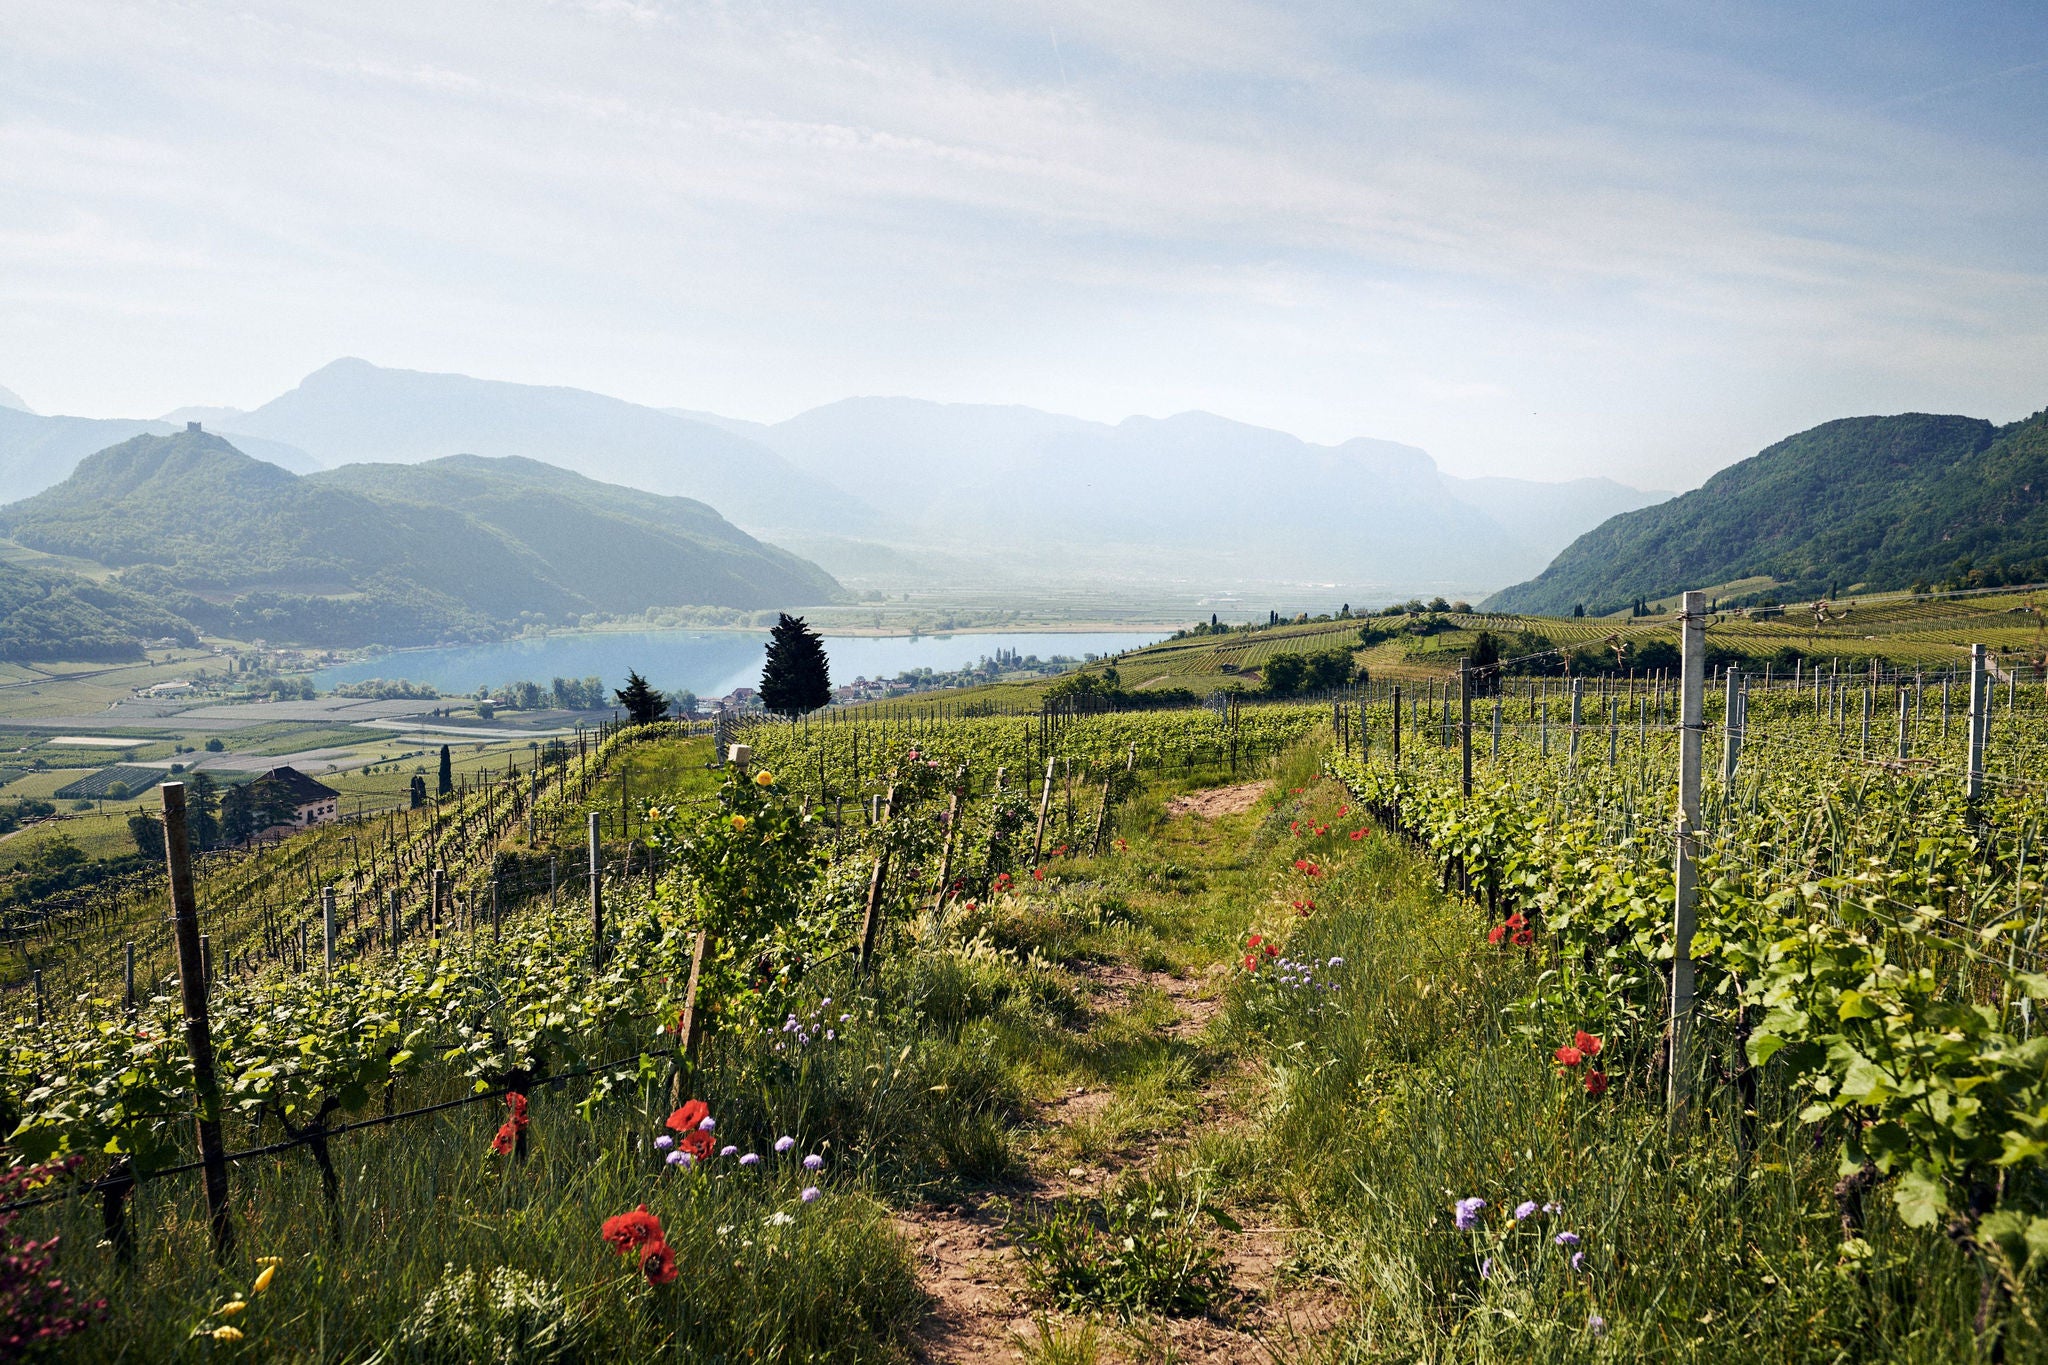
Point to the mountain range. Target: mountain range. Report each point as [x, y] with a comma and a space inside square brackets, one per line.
[897, 492]
[452, 548]
[1863, 503]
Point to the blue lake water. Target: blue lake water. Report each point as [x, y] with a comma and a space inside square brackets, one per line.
[710, 663]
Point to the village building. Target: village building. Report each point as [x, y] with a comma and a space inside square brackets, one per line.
[287, 789]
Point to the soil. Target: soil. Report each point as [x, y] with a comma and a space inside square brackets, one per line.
[1216, 801]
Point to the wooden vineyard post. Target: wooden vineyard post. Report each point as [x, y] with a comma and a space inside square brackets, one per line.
[1495, 754]
[1572, 757]
[435, 883]
[397, 920]
[128, 977]
[1397, 725]
[1868, 694]
[1465, 727]
[1905, 744]
[596, 897]
[1044, 805]
[1693, 624]
[198, 1032]
[871, 919]
[946, 852]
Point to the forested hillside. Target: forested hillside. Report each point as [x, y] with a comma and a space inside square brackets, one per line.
[49, 614]
[242, 547]
[1874, 502]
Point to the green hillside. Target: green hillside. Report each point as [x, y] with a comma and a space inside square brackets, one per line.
[48, 614]
[1870, 502]
[392, 554]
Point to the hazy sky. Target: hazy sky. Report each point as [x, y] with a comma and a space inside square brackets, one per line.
[1640, 239]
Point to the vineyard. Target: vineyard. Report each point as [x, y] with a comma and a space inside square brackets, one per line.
[1349, 1030]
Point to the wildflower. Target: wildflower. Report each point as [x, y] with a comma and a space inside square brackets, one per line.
[232, 1307]
[783, 1144]
[814, 1162]
[1120, 846]
[1524, 1209]
[678, 1158]
[1271, 951]
[1578, 1260]
[1038, 874]
[628, 1232]
[751, 1159]
[506, 1139]
[1251, 962]
[810, 1194]
[764, 778]
[1524, 937]
[686, 1119]
[1553, 1208]
[1357, 834]
[1343, 811]
[1496, 934]
[780, 1219]
[1467, 1213]
[1596, 1082]
[728, 1151]
[1566, 1239]
[663, 1143]
[738, 823]
[1336, 962]
[697, 1146]
[263, 1278]
[1586, 1043]
[1569, 1056]
[658, 1263]
[1255, 941]
[1486, 1269]
[1597, 1325]
[228, 1333]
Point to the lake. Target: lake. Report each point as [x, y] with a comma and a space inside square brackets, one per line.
[710, 663]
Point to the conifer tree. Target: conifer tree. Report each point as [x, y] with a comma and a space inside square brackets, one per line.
[446, 785]
[419, 791]
[643, 704]
[796, 678]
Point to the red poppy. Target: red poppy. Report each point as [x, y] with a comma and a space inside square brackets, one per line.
[686, 1119]
[1038, 874]
[1058, 851]
[506, 1140]
[1498, 932]
[1305, 907]
[1255, 941]
[658, 1263]
[1586, 1043]
[628, 1232]
[1343, 811]
[1524, 937]
[1569, 1056]
[1271, 951]
[1358, 834]
[1294, 826]
[1596, 1082]
[1516, 921]
[699, 1145]
[1295, 790]
[1300, 865]
[1251, 962]
[518, 1103]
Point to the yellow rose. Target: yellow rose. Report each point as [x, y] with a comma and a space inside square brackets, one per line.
[764, 778]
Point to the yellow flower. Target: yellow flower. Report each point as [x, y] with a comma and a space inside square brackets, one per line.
[764, 778]
[739, 823]
[233, 1306]
[227, 1334]
[263, 1280]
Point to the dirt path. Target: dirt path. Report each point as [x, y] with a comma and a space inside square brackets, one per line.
[980, 1310]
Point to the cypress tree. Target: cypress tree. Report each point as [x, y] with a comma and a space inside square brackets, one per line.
[419, 791]
[643, 704]
[446, 786]
[796, 677]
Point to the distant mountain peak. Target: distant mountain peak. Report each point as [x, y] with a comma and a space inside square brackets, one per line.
[10, 399]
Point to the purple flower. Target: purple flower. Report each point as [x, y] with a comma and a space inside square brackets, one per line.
[814, 1162]
[1553, 1208]
[1486, 1269]
[1524, 1209]
[1566, 1239]
[1336, 962]
[1597, 1325]
[810, 1193]
[751, 1159]
[845, 1018]
[663, 1143]
[1578, 1260]
[678, 1158]
[707, 1125]
[1466, 1215]
[783, 1144]
[830, 1035]
[727, 1151]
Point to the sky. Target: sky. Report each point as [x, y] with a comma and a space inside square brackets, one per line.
[1641, 239]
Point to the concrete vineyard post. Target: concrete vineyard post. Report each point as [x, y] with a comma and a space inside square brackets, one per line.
[1868, 698]
[596, 896]
[1973, 782]
[1692, 618]
[1495, 755]
[1730, 743]
[198, 1032]
[327, 932]
[397, 920]
[1905, 744]
[1572, 757]
[1397, 725]
[946, 852]
[128, 977]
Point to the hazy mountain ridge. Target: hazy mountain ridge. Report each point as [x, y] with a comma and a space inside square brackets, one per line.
[464, 548]
[1878, 501]
[38, 452]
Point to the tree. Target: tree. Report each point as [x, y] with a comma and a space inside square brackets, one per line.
[643, 704]
[445, 786]
[202, 811]
[796, 677]
[1483, 665]
[419, 790]
[684, 704]
[148, 833]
